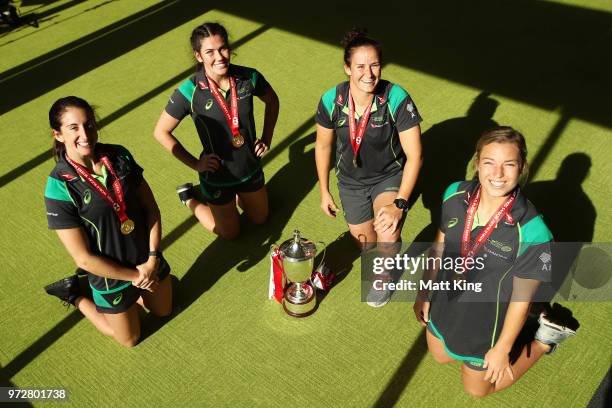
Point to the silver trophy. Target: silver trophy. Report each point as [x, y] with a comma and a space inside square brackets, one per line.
[297, 256]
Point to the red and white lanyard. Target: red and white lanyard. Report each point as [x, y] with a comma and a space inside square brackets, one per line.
[232, 118]
[357, 134]
[466, 250]
[117, 205]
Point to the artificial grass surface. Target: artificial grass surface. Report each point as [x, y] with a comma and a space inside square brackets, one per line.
[227, 345]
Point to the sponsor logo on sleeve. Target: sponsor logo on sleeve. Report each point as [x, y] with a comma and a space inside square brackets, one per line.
[545, 257]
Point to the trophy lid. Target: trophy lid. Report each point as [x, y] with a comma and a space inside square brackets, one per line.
[298, 248]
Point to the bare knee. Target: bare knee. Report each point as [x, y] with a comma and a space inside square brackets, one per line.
[129, 341]
[163, 312]
[441, 358]
[259, 219]
[476, 392]
[227, 232]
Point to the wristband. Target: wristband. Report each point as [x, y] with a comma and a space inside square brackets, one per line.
[156, 254]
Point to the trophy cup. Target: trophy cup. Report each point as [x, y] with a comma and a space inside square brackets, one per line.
[297, 254]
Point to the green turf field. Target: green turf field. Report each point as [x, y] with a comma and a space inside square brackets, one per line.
[546, 66]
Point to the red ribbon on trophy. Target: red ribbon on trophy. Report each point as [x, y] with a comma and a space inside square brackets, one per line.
[277, 284]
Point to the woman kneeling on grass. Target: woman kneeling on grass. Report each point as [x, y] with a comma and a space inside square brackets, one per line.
[478, 316]
[106, 216]
[219, 99]
[374, 125]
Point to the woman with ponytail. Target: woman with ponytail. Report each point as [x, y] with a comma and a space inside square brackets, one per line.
[375, 127]
[106, 217]
[219, 98]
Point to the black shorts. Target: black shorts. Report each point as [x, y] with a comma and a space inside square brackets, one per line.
[358, 202]
[121, 298]
[525, 337]
[222, 195]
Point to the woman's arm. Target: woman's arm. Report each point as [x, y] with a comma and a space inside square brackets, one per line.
[270, 99]
[421, 305]
[497, 359]
[163, 134]
[148, 203]
[389, 216]
[75, 242]
[323, 151]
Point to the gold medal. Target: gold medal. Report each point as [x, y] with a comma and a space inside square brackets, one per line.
[237, 141]
[127, 227]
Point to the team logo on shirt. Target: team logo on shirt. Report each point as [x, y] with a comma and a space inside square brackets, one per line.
[202, 85]
[453, 221]
[378, 121]
[87, 196]
[500, 245]
[411, 109]
[381, 100]
[209, 104]
[341, 122]
[340, 100]
[67, 176]
[243, 89]
[217, 194]
[545, 257]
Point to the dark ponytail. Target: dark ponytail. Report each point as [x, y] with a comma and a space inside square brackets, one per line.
[355, 38]
[55, 118]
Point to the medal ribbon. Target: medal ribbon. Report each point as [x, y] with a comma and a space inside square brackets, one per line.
[356, 135]
[232, 118]
[119, 205]
[466, 251]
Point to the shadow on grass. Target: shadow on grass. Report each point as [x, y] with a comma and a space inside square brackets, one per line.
[404, 373]
[522, 49]
[24, 83]
[570, 215]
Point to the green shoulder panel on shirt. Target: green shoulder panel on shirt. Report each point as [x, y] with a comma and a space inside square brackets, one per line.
[254, 77]
[328, 99]
[451, 191]
[534, 232]
[396, 96]
[187, 88]
[56, 190]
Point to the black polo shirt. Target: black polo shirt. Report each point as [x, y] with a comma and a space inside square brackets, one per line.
[72, 203]
[381, 153]
[194, 97]
[470, 323]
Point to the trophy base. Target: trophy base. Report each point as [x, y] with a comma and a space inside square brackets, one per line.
[300, 309]
[299, 299]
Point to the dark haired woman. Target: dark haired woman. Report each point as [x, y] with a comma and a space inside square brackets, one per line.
[219, 98]
[375, 126]
[477, 317]
[106, 216]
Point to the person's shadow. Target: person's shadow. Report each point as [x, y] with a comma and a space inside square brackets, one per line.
[448, 146]
[569, 214]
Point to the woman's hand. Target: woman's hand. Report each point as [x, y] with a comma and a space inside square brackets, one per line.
[261, 147]
[388, 218]
[497, 363]
[208, 162]
[147, 274]
[328, 205]
[421, 311]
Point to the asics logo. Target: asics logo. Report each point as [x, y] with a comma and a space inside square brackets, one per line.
[118, 299]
